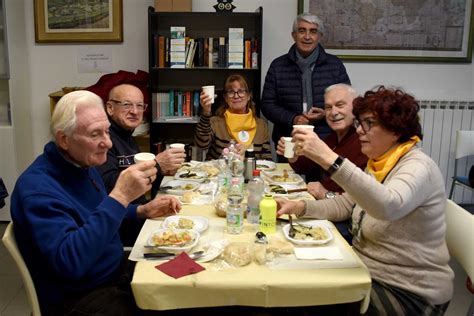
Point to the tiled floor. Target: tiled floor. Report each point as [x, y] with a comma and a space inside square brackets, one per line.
[13, 301]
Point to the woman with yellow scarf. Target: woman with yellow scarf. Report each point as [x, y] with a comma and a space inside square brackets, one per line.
[235, 119]
[396, 206]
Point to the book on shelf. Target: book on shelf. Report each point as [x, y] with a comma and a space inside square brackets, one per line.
[190, 53]
[161, 51]
[222, 53]
[254, 54]
[210, 52]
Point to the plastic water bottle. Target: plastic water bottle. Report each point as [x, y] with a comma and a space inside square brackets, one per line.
[255, 190]
[268, 209]
[235, 211]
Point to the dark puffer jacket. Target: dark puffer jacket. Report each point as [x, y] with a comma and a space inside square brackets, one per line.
[282, 97]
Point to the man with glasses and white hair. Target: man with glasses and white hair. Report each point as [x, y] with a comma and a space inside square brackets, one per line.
[125, 107]
[66, 224]
[294, 86]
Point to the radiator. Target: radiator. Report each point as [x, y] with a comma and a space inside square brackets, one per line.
[440, 120]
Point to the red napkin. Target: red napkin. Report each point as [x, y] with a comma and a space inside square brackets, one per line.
[180, 266]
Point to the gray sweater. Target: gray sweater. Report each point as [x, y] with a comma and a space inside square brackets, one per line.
[402, 239]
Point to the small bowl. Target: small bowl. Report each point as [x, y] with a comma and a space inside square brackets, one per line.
[175, 249]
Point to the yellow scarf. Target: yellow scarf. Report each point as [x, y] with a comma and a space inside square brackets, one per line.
[381, 166]
[242, 127]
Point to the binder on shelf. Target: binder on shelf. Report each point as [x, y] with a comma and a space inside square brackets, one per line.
[236, 48]
[178, 47]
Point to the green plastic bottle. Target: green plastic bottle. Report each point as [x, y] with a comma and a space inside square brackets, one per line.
[268, 209]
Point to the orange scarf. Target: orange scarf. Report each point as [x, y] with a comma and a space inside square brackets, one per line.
[241, 127]
[382, 165]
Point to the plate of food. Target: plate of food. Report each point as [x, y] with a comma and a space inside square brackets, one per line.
[179, 187]
[285, 190]
[283, 177]
[173, 240]
[191, 175]
[308, 233]
[266, 165]
[198, 223]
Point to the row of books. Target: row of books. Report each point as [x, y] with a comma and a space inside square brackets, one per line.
[180, 51]
[175, 103]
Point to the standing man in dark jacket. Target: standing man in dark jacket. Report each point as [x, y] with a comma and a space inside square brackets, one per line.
[294, 86]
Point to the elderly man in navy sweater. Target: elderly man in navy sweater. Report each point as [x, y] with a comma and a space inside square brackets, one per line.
[66, 225]
[294, 86]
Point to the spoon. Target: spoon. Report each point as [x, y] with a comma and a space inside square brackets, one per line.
[261, 238]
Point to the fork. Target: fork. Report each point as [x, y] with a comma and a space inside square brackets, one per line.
[291, 231]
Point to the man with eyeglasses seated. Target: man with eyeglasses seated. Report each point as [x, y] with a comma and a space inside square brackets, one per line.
[294, 86]
[125, 107]
[235, 119]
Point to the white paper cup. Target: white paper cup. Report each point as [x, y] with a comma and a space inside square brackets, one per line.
[177, 146]
[141, 157]
[311, 127]
[289, 148]
[210, 91]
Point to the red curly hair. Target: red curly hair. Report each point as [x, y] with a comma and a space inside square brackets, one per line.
[394, 109]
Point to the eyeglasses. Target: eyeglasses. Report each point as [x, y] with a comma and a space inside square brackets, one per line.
[129, 105]
[365, 124]
[240, 93]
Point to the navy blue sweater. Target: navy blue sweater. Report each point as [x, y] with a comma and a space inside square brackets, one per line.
[66, 226]
[282, 97]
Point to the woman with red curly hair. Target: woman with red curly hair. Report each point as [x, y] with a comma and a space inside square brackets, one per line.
[396, 205]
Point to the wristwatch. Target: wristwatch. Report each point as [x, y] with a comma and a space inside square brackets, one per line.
[330, 195]
[335, 165]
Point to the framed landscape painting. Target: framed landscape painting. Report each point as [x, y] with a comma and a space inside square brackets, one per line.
[396, 30]
[60, 21]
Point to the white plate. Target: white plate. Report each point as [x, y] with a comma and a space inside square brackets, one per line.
[266, 165]
[308, 242]
[213, 250]
[197, 176]
[293, 178]
[287, 187]
[174, 249]
[200, 222]
[180, 186]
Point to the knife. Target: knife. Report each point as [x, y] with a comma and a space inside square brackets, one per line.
[168, 256]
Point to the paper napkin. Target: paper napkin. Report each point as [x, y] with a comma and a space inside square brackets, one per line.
[313, 253]
[180, 266]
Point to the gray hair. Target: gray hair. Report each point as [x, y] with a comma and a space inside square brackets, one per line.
[345, 86]
[64, 115]
[310, 18]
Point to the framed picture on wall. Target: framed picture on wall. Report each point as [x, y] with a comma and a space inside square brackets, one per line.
[62, 21]
[396, 30]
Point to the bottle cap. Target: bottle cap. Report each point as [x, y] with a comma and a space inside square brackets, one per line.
[256, 173]
[249, 153]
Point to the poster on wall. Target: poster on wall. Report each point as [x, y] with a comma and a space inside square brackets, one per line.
[396, 30]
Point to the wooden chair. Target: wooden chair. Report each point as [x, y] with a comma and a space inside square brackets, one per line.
[464, 148]
[10, 244]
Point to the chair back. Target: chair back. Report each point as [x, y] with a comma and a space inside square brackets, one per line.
[464, 144]
[10, 244]
[460, 236]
